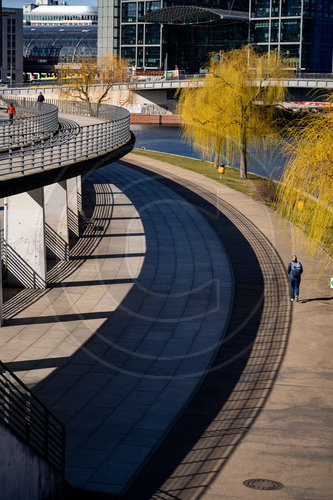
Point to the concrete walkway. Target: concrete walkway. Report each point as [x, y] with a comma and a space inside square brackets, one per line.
[265, 409]
[107, 344]
[119, 343]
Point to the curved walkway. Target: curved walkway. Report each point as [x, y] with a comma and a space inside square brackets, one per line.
[264, 410]
[119, 343]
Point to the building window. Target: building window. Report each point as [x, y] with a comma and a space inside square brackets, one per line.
[153, 6]
[140, 57]
[129, 12]
[290, 53]
[128, 53]
[260, 32]
[152, 57]
[260, 8]
[153, 34]
[128, 34]
[290, 30]
[275, 31]
[291, 8]
[140, 34]
[141, 9]
[275, 8]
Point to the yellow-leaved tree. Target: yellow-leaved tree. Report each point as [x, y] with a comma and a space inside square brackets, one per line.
[90, 80]
[235, 107]
[305, 194]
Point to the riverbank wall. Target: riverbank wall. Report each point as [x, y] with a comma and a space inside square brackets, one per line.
[174, 120]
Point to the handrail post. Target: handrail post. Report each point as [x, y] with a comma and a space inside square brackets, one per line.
[87, 140]
[33, 150]
[22, 154]
[10, 153]
[75, 147]
[59, 147]
[42, 152]
[81, 140]
[68, 150]
[51, 147]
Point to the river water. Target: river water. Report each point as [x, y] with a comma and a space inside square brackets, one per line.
[168, 140]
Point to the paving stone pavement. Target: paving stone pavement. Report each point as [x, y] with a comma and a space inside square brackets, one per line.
[265, 408]
[121, 340]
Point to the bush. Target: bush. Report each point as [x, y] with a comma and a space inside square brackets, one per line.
[266, 190]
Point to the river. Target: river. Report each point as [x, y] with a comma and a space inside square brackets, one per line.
[168, 140]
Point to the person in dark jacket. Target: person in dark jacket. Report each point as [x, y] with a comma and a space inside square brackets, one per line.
[295, 270]
[40, 98]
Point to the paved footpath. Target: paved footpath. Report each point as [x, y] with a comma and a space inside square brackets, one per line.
[120, 341]
[265, 412]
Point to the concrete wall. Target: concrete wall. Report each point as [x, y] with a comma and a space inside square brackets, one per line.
[23, 474]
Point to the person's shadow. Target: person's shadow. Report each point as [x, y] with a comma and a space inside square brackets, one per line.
[316, 298]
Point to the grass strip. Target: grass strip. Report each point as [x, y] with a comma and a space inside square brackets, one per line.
[230, 178]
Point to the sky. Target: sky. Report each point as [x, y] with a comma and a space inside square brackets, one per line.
[19, 3]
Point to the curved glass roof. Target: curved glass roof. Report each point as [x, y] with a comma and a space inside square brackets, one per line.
[191, 15]
[56, 44]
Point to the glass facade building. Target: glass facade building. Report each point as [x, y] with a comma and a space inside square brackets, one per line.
[45, 47]
[298, 29]
[157, 46]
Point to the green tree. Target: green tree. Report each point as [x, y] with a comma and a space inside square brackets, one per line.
[305, 195]
[235, 107]
[91, 81]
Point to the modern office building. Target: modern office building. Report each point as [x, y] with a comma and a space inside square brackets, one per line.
[52, 13]
[162, 33]
[182, 34]
[299, 29]
[11, 46]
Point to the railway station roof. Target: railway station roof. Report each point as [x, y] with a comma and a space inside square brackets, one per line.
[188, 15]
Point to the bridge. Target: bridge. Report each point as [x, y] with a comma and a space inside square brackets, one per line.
[41, 163]
[156, 93]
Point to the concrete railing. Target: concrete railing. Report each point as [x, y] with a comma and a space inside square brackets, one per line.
[60, 149]
[26, 416]
[305, 80]
[32, 119]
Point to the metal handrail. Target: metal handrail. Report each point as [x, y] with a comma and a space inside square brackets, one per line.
[25, 415]
[58, 150]
[33, 119]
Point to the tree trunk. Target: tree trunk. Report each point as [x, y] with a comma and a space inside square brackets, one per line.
[217, 154]
[243, 155]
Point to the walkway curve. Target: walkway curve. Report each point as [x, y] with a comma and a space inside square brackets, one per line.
[269, 414]
[121, 343]
[243, 374]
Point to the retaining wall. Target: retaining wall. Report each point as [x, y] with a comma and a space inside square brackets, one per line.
[23, 474]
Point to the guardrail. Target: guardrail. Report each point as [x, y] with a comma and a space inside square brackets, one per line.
[59, 150]
[30, 419]
[42, 120]
[93, 109]
[307, 80]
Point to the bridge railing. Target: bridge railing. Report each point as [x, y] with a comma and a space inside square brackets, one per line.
[28, 418]
[59, 150]
[33, 119]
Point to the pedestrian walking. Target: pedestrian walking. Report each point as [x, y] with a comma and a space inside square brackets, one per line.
[11, 112]
[40, 98]
[295, 270]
